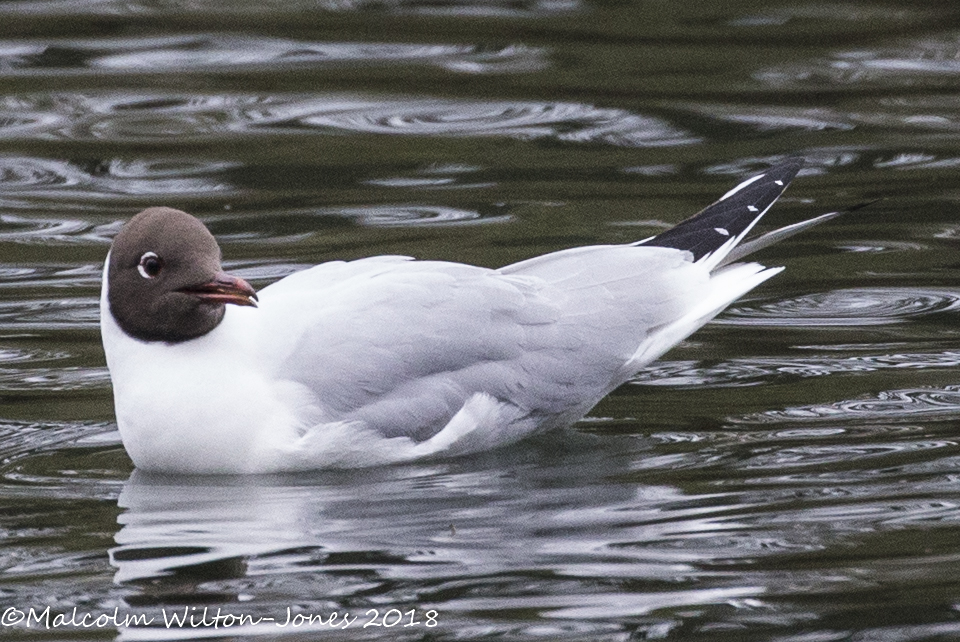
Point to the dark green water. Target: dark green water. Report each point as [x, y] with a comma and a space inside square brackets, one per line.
[791, 473]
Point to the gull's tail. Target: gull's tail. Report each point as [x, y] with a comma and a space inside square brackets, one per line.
[714, 238]
[713, 234]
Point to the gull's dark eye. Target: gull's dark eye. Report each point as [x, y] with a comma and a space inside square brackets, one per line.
[150, 265]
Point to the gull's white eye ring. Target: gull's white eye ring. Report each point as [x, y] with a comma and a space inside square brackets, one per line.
[150, 265]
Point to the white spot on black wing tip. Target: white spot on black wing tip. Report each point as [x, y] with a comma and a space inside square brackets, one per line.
[752, 208]
[780, 183]
[721, 230]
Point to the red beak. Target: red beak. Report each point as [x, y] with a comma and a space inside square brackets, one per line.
[225, 288]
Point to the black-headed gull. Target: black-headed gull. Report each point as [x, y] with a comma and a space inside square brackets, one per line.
[390, 359]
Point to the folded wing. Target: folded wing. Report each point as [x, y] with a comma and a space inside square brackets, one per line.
[402, 346]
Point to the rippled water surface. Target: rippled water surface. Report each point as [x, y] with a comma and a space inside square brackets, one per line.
[790, 473]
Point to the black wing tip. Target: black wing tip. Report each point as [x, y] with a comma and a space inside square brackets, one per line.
[784, 171]
[735, 213]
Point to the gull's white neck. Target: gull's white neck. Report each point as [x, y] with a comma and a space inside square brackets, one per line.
[203, 405]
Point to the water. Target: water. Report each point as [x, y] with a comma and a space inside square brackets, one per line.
[791, 473]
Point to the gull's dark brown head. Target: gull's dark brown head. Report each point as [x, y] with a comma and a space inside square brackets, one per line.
[165, 282]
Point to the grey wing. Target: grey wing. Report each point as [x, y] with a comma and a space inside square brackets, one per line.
[402, 345]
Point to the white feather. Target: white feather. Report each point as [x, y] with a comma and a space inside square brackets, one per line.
[389, 359]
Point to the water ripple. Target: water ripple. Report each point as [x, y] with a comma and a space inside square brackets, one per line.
[573, 122]
[164, 176]
[932, 58]
[406, 215]
[44, 178]
[895, 405]
[24, 173]
[466, 8]
[224, 51]
[19, 439]
[59, 276]
[293, 226]
[45, 231]
[603, 605]
[17, 355]
[53, 379]
[15, 125]
[121, 117]
[750, 371]
[882, 247]
[913, 116]
[882, 512]
[473, 8]
[219, 51]
[776, 117]
[849, 307]
[821, 455]
[50, 314]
